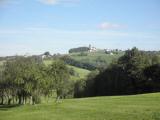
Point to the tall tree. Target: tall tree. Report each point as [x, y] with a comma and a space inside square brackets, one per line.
[59, 74]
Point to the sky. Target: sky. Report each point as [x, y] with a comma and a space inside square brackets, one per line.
[36, 26]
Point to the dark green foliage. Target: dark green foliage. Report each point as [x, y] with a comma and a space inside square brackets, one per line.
[47, 53]
[135, 72]
[79, 88]
[152, 74]
[79, 49]
[80, 64]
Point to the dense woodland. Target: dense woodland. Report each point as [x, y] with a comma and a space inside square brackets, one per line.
[27, 80]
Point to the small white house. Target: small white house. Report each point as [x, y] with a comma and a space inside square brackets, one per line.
[92, 49]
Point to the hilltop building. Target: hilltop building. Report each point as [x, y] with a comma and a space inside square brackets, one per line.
[92, 49]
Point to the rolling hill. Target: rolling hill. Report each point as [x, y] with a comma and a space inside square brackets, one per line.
[99, 58]
[81, 73]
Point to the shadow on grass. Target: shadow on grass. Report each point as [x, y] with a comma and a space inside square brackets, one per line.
[7, 107]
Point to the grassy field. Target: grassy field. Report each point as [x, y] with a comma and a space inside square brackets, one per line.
[94, 56]
[136, 107]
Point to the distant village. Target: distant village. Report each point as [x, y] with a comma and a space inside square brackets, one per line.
[90, 49]
[107, 51]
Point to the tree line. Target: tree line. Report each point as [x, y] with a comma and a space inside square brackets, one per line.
[80, 64]
[79, 49]
[134, 73]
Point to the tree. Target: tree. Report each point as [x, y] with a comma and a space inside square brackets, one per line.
[133, 73]
[79, 88]
[134, 62]
[152, 74]
[89, 85]
[79, 49]
[47, 53]
[1, 85]
[23, 79]
[59, 74]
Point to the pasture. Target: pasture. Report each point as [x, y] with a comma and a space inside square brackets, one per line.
[136, 107]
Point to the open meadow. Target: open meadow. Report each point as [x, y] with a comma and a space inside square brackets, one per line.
[136, 107]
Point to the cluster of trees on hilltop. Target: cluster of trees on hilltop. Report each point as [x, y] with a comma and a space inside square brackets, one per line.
[79, 49]
[25, 80]
[135, 72]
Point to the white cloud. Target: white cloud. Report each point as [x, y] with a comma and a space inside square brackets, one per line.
[108, 26]
[54, 2]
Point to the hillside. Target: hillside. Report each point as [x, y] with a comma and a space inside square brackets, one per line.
[99, 58]
[81, 73]
[136, 107]
[1, 62]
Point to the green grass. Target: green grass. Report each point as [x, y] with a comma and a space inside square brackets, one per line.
[82, 73]
[2, 62]
[136, 107]
[94, 56]
[47, 62]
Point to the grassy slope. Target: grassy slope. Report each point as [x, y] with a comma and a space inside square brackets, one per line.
[92, 57]
[137, 107]
[81, 72]
[1, 62]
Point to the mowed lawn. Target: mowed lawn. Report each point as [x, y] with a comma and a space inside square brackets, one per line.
[136, 107]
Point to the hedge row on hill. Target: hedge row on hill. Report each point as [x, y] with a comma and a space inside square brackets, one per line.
[79, 64]
[79, 49]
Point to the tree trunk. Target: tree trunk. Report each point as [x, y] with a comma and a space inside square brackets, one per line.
[24, 100]
[2, 100]
[13, 100]
[9, 101]
[20, 100]
[31, 100]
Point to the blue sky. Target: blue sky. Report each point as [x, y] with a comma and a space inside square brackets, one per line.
[36, 26]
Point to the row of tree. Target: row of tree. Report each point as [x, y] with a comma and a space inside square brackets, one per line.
[80, 64]
[135, 72]
[79, 49]
[25, 80]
